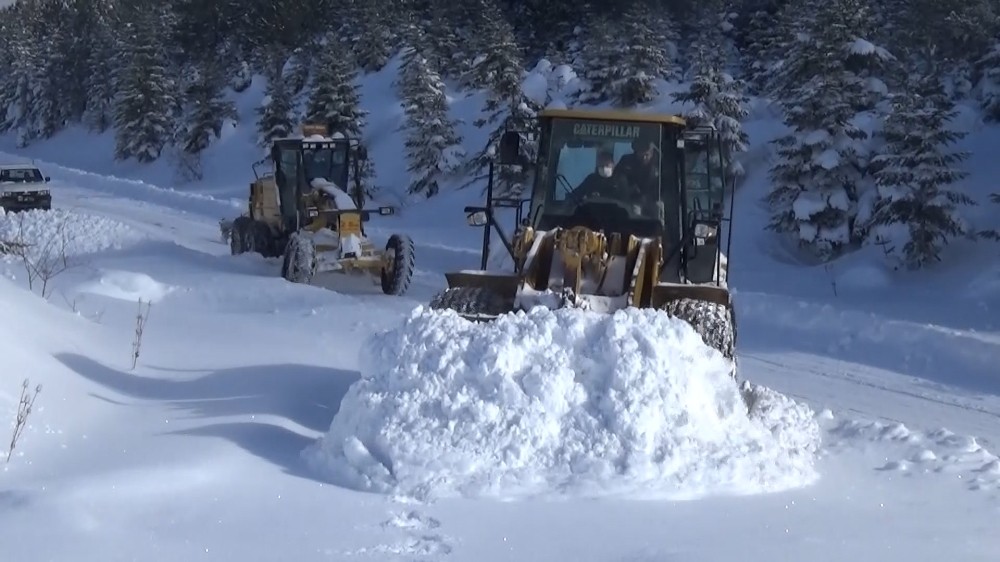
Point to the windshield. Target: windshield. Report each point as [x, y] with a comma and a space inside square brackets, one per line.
[604, 162]
[20, 175]
[325, 160]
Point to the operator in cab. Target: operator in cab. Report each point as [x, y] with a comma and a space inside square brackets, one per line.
[601, 182]
[641, 169]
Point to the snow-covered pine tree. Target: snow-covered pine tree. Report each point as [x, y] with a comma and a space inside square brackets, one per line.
[642, 59]
[146, 94]
[595, 62]
[99, 81]
[992, 234]
[665, 32]
[372, 35]
[717, 99]
[960, 31]
[36, 108]
[98, 115]
[546, 26]
[988, 87]
[464, 21]
[18, 82]
[445, 51]
[708, 43]
[334, 97]
[506, 106]
[6, 64]
[300, 67]
[434, 149]
[705, 79]
[914, 173]
[207, 107]
[759, 50]
[335, 101]
[485, 24]
[819, 173]
[274, 115]
[55, 85]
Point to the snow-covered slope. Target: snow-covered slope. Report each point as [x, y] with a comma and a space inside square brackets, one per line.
[253, 398]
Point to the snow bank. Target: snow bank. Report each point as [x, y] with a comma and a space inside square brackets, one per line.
[558, 402]
[58, 232]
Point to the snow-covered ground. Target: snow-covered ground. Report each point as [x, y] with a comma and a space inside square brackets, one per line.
[265, 420]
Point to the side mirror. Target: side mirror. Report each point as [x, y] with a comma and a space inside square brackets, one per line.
[362, 153]
[47, 179]
[510, 148]
[477, 218]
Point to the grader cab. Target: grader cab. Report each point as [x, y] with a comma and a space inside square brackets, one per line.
[626, 210]
[304, 211]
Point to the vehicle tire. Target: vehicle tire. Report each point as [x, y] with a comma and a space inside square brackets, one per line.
[239, 234]
[396, 279]
[262, 241]
[299, 264]
[713, 322]
[473, 303]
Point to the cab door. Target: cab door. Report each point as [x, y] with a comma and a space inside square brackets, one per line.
[704, 180]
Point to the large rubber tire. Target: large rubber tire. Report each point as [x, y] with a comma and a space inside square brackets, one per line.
[248, 235]
[262, 240]
[396, 279]
[239, 234]
[712, 321]
[471, 301]
[299, 263]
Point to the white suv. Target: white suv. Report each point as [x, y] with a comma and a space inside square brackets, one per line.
[23, 187]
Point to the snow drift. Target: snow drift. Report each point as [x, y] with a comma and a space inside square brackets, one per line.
[56, 233]
[558, 402]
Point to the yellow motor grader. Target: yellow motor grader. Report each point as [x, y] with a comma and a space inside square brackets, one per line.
[302, 211]
[626, 210]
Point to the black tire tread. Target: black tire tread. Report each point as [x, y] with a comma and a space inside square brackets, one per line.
[239, 233]
[299, 262]
[397, 281]
[471, 301]
[712, 321]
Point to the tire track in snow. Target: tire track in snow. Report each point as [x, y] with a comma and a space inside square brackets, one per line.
[875, 393]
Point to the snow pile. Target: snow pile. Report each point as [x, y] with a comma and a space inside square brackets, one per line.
[558, 402]
[58, 232]
[340, 197]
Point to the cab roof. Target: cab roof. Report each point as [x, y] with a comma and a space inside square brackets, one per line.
[613, 115]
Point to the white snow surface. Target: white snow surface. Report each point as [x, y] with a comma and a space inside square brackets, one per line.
[126, 285]
[558, 402]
